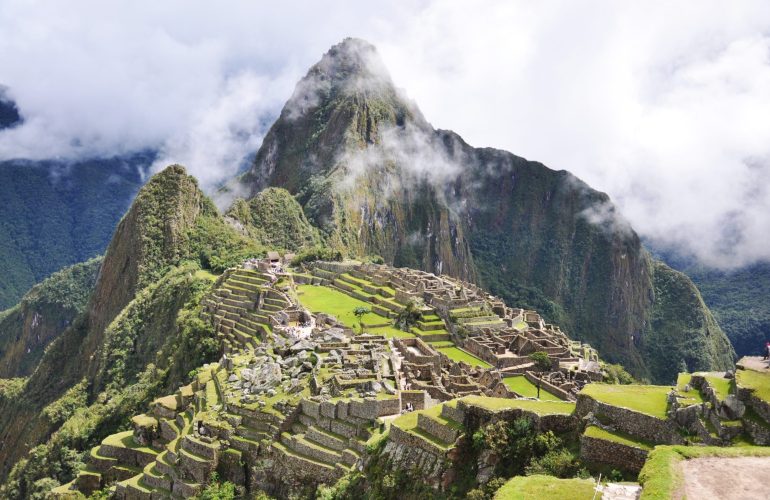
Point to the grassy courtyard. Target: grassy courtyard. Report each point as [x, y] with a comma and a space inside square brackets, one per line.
[321, 299]
[457, 354]
[647, 399]
[524, 387]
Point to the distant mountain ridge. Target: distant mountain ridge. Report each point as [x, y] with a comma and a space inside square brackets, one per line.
[375, 177]
[57, 213]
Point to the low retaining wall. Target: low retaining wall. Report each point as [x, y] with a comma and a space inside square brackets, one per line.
[617, 455]
[631, 422]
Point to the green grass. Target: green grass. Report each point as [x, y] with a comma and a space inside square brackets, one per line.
[540, 487]
[759, 382]
[722, 386]
[616, 437]
[126, 440]
[203, 274]
[537, 407]
[520, 385]
[408, 423]
[692, 397]
[457, 354]
[341, 306]
[647, 399]
[661, 475]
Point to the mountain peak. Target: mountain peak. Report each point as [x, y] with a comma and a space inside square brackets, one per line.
[349, 68]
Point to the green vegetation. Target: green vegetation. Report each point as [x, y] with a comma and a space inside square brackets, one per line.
[42, 315]
[541, 360]
[647, 399]
[217, 490]
[691, 397]
[275, 219]
[55, 214]
[359, 312]
[682, 329]
[722, 386]
[522, 448]
[661, 475]
[739, 302]
[540, 487]
[759, 382]
[316, 253]
[520, 385]
[457, 354]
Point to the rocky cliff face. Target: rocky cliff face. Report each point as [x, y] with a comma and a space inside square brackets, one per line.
[376, 178]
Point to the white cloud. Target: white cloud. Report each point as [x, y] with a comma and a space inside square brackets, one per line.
[663, 106]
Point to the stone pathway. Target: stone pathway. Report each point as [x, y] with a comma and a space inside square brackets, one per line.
[616, 491]
[755, 363]
[740, 478]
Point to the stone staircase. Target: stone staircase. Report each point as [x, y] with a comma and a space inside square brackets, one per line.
[241, 309]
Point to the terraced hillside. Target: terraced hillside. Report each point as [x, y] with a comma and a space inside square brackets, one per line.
[341, 371]
[305, 389]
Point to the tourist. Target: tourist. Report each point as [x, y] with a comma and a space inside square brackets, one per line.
[767, 350]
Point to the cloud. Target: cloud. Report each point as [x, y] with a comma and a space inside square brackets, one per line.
[663, 107]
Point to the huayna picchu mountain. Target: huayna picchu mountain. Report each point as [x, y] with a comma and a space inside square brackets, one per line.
[375, 177]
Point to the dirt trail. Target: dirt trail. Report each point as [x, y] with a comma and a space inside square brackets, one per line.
[740, 478]
[755, 363]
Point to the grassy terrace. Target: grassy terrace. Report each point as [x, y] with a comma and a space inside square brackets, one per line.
[321, 299]
[524, 387]
[537, 407]
[692, 397]
[457, 354]
[202, 273]
[408, 423]
[758, 381]
[616, 437]
[126, 440]
[722, 386]
[647, 399]
[538, 486]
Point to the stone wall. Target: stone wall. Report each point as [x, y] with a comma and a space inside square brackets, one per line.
[549, 386]
[437, 429]
[631, 422]
[601, 451]
[416, 398]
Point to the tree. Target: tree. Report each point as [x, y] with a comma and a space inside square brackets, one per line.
[541, 360]
[359, 313]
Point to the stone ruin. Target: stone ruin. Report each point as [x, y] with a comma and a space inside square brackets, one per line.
[301, 393]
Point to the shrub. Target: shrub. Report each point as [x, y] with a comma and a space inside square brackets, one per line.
[317, 253]
[541, 360]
